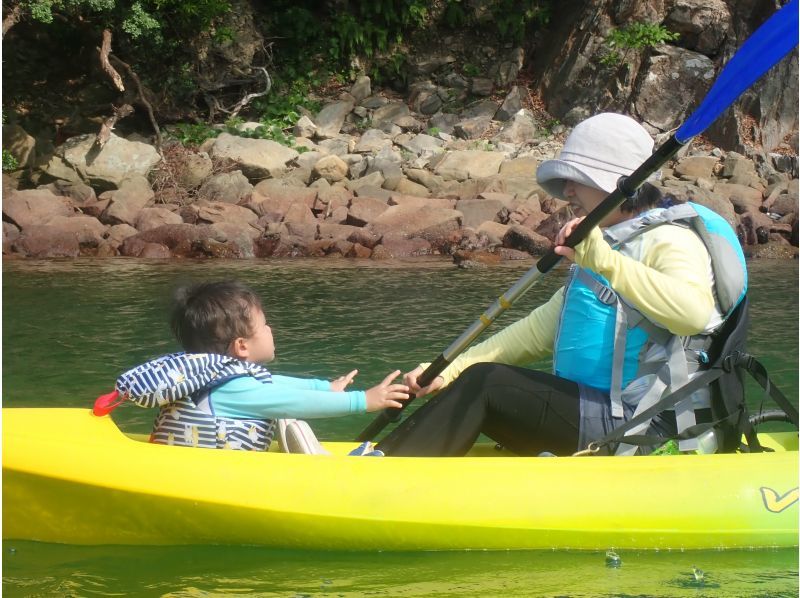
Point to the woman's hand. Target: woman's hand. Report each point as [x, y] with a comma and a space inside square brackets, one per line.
[386, 394]
[561, 238]
[342, 382]
[410, 378]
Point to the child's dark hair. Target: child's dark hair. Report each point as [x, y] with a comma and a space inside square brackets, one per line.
[207, 317]
[647, 196]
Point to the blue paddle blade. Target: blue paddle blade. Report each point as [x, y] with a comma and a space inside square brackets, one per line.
[771, 42]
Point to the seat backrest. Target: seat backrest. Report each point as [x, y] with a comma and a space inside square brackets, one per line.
[728, 391]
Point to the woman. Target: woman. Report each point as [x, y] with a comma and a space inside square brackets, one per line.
[632, 322]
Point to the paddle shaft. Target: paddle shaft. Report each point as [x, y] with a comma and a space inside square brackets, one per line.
[626, 187]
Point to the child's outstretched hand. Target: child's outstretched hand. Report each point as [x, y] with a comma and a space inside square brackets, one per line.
[386, 394]
[340, 383]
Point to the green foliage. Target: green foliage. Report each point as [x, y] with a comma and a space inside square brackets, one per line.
[139, 23]
[512, 17]
[635, 36]
[9, 161]
[434, 131]
[471, 70]
[454, 15]
[192, 135]
[370, 26]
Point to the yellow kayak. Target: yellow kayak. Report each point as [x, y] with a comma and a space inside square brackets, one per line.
[71, 477]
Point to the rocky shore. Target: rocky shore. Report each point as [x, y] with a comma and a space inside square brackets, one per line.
[372, 175]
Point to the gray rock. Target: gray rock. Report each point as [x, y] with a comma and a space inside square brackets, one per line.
[685, 73]
[196, 169]
[519, 130]
[481, 86]
[469, 164]
[373, 140]
[510, 106]
[257, 158]
[444, 122]
[103, 169]
[304, 127]
[703, 25]
[472, 128]
[230, 187]
[331, 118]
[126, 202]
[361, 89]
[477, 211]
[386, 115]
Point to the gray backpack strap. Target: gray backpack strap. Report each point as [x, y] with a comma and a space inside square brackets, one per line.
[607, 295]
[679, 377]
[650, 398]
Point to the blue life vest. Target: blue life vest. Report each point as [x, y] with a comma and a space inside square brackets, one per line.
[180, 384]
[601, 339]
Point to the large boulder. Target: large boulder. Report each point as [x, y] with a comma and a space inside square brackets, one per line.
[330, 119]
[257, 158]
[46, 241]
[469, 164]
[686, 74]
[128, 201]
[107, 167]
[410, 221]
[34, 206]
[230, 187]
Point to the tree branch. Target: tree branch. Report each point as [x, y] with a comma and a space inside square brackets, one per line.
[141, 98]
[12, 18]
[108, 124]
[105, 50]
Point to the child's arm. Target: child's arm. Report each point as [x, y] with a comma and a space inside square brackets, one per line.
[248, 398]
[301, 383]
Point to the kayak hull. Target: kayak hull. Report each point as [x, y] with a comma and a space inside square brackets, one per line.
[70, 477]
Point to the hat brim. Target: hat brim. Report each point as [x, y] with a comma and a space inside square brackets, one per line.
[552, 175]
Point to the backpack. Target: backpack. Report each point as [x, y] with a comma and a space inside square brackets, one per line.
[728, 362]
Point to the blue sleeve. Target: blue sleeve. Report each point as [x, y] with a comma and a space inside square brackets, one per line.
[301, 383]
[246, 397]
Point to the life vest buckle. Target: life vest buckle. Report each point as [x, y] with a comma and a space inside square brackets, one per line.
[606, 295]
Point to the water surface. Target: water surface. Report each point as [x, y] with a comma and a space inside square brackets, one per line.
[70, 327]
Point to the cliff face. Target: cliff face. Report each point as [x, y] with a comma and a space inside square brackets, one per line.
[661, 85]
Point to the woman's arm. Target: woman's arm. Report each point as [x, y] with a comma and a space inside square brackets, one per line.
[671, 285]
[520, 343]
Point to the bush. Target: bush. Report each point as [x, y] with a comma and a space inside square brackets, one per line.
[635, 36]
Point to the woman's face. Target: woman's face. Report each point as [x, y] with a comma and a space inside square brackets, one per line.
[583, 199]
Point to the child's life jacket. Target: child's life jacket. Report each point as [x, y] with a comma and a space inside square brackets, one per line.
[180, 385]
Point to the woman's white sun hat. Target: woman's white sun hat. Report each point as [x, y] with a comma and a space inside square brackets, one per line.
[597, 152]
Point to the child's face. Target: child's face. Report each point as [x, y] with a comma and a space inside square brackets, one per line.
[259, 347]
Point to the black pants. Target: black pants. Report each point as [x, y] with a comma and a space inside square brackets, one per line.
[524, 410]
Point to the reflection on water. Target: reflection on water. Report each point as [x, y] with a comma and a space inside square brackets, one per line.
[69, 328]
[217, 571]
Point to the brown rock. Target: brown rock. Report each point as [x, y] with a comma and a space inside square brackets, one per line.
[359, 251]
[744, 199]
[364, 210]
[150, 218]
[525, 239]
[45, 241]
[397, 247]
[34, 207]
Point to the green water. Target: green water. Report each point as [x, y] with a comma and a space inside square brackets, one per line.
[69, 328]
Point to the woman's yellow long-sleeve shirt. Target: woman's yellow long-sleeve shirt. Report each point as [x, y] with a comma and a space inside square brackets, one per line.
[667, 277]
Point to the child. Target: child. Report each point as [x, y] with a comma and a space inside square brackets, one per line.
[237, 400]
